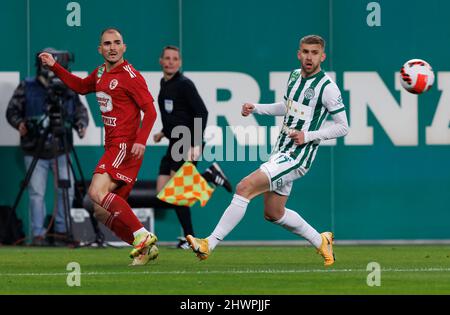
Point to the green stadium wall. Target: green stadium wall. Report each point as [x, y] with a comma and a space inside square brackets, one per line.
[388, 179]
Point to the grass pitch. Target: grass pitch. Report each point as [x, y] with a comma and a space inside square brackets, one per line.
[419, 269]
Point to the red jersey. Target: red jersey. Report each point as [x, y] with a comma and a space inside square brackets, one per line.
[121, 94]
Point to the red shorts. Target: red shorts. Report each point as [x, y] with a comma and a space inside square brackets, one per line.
[118, 162]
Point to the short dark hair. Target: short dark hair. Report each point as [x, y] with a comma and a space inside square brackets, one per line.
[313, 39]
[110, 29]
[172, 47]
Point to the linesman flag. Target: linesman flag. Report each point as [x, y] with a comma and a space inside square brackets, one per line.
[186, 187]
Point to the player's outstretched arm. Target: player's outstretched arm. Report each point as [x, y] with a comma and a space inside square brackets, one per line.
[79, 85]
[337, 128]
[274, 109]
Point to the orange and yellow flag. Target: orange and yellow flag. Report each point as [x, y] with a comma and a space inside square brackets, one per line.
[186, 187]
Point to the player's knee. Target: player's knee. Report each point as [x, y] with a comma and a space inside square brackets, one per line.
[244, 188]
[97, 212]
[96, 194]
[92, 194]
[88, 204]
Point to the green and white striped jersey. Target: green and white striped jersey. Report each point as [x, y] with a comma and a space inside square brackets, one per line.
[308, 102]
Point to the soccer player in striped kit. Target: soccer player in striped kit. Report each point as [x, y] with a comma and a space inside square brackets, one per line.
[310, 96]
[122, 94]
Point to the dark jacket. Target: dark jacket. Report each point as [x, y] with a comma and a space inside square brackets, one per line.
[179, 103]
[30, 103]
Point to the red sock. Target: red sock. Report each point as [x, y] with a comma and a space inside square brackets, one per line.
[122, 221]
[121, 230]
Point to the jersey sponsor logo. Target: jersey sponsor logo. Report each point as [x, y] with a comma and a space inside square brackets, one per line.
[168, 106]
[113, 84]
[130, 71]
[100, 72]
[299, 110]
[104, 101]
[124, 178]
[294, 76]
[309, 93]
[109, 121]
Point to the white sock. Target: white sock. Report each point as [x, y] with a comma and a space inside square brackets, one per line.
[141, 230]
[230, 218]
[293, 222]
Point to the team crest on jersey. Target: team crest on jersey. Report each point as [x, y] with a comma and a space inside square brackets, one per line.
[294, 76]
[279, 183]
[113, 84]
[309, 93]
[104, 101]
[168, 106]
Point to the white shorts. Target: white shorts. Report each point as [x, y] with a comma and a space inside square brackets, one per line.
[282, 170]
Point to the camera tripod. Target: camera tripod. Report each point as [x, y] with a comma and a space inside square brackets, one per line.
[58, 133]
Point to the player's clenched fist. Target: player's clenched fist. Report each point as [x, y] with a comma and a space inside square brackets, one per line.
[137, 151]
[247, 109]
[47, 59]
[298, 136]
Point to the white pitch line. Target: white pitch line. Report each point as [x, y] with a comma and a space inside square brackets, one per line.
[95, 273]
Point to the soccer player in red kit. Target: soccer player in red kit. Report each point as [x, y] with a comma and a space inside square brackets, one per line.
[122, 94]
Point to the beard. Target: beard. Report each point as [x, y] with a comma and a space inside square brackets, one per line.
[112, 60]
[311, 70]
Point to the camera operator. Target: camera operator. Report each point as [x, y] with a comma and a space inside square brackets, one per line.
[39, 104]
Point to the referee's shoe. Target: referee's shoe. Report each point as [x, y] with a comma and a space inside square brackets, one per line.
[215, 175]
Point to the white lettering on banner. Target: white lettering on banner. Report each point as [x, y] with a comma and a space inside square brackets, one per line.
[439, 131]
[367, 92]
[243, 88]
[8, 83]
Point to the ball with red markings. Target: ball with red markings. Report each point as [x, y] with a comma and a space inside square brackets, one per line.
[417, 76]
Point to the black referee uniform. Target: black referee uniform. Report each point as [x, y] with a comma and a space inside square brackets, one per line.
[179, 104]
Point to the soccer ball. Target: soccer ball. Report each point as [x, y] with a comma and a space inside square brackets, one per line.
[417, 76]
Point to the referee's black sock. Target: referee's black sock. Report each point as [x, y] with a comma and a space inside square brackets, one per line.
[184, 216]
